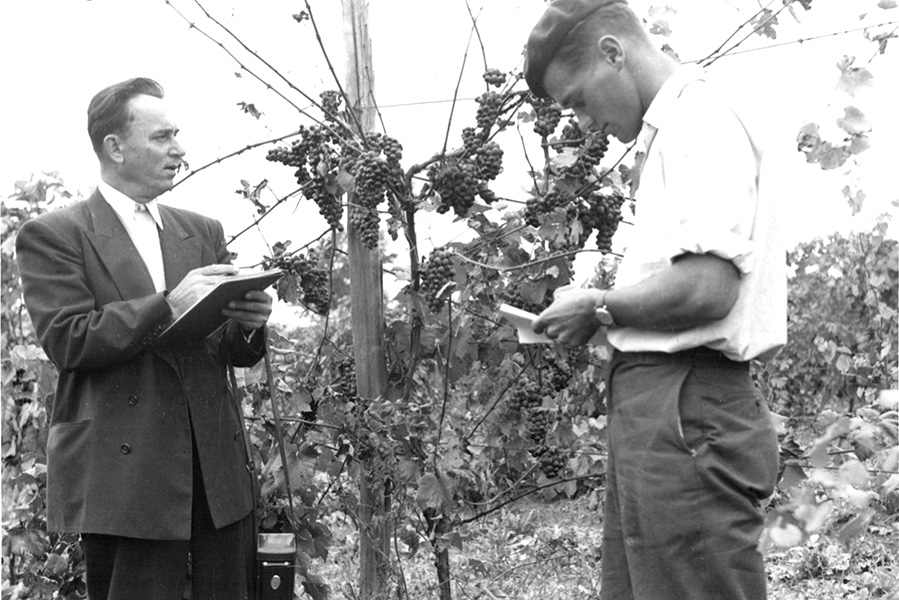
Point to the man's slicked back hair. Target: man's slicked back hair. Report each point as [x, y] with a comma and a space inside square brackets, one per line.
[108, 111]
[616, 19]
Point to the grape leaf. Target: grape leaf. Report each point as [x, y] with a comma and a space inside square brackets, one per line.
[855, 528]
[56, 565]
[852, 78]
[764, 23]
[660, 27]
[533, 292]
[430, 492]
[855, 199]
[854, 473]
[566, 158]
[315, 587]
[859, 144]
[853, 121]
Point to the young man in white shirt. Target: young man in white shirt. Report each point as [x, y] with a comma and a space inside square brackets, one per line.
[700, 292]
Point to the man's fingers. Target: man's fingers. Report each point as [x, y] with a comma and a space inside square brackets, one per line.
[564, 289]
[218, 270]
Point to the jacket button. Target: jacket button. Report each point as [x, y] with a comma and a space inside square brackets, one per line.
[132, 400]
[126, 448]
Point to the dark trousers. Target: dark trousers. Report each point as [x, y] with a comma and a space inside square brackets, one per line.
[692, 452]
[221, 560]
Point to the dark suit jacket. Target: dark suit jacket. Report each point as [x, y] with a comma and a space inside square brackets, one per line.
[119, 453]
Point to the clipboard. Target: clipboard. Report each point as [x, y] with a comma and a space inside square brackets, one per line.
[205, 315]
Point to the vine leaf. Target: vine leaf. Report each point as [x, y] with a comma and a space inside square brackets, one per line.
[853, 121]
[855, 527]
[660, 27]
[852, 78]
[56, 565]
[566, 158]
[854, 473]
[855, 199]
[820, 151]
[764, 23]
[250, 109]
[315, 587]
[432, 492]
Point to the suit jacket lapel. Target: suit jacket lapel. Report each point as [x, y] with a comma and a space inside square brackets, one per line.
[117, 251]
[180, 251]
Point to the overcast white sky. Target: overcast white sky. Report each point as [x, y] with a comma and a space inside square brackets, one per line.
[58, 53]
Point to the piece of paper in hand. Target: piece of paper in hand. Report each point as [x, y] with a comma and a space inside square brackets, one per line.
[523, 322]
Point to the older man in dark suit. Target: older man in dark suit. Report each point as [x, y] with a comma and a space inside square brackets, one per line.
[145, 455]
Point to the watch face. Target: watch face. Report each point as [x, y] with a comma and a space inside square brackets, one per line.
[604, 317]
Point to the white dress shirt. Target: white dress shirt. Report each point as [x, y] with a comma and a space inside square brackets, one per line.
[699, 192]
[141, 222]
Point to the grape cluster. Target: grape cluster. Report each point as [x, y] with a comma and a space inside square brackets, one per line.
[593, 150]
[512, 296]
[494, 77]
[547, 115]
[311, 283]
[489, 106]
[345, 384]
[552, 461]
[436, 271]
[603, 214]
[410, 537]
[329, 205]
[456, 181]
[525, 396]
[367, 222]
[371, 173]
[555, 372]
[376, 171]
[535, 207]
[471, 141]
[391, 148]
[489, 161]
[538, 424]
[571, 134]
[331, 101]
[306, 154]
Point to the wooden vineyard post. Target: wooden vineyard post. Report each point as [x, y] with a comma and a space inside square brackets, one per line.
[366, 296]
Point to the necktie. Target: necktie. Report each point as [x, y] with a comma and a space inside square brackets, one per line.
[146, 238]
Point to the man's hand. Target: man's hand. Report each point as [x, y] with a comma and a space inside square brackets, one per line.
[195, 285]
[570, 320]
[252, 312]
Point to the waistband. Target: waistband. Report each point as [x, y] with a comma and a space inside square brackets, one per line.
[701, 355]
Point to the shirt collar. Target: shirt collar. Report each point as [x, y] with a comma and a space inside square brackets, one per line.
[124, 206]
[668, 94]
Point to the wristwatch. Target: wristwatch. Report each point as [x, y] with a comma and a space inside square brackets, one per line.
[602, 313]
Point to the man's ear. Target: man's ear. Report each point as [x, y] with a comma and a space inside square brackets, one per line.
[611, 50]
[112, 148]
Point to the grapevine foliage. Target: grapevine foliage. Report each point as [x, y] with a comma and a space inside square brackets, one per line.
[469, 414]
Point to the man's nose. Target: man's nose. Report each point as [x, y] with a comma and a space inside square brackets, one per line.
[177, 149]
[584, 122]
